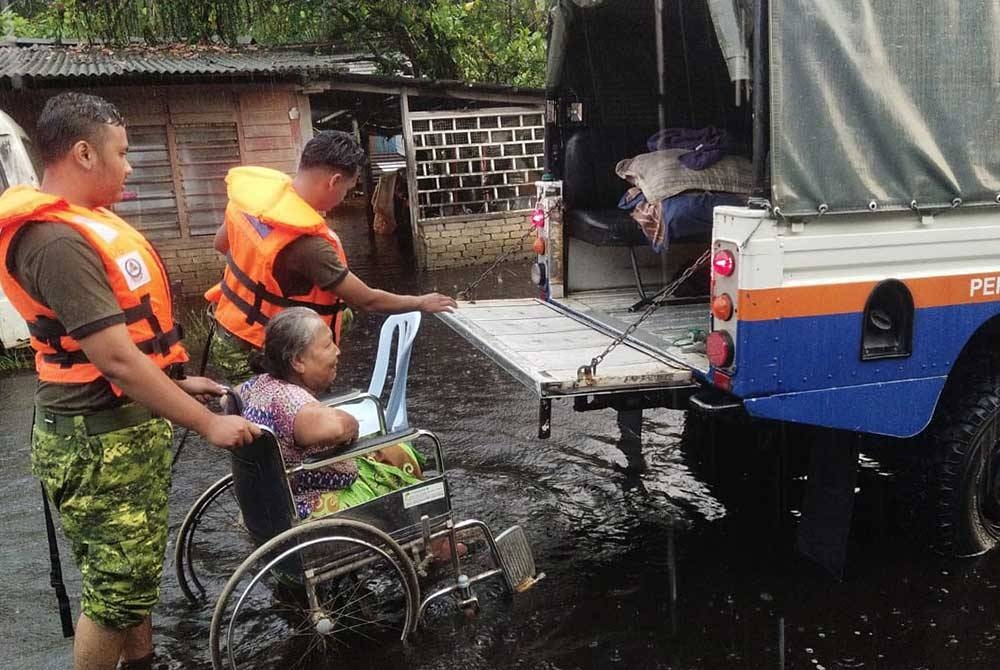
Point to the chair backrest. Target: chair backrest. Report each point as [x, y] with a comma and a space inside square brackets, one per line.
[259, 482]
[400, 329]
[589, 159]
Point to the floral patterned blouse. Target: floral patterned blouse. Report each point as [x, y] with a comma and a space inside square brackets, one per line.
[271, 402]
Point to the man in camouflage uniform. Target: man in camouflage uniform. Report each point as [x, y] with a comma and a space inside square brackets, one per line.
[101, 440]
[111, 492]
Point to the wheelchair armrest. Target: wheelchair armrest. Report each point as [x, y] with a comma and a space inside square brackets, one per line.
[341, 398]
[359, 448]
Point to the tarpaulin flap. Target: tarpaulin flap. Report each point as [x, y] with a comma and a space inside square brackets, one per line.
[876, 104]
[730, 18]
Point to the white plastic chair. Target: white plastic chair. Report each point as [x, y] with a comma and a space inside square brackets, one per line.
[401, 330]
[406, 325]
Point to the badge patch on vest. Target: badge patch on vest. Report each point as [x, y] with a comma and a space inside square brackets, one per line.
[134, 268]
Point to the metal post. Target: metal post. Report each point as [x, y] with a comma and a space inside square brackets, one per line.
[761, 107]
[411, 176]
[781, 643]
[544, 419]
[630, 423]
[660, 71]
[369, 188]
[672, 576]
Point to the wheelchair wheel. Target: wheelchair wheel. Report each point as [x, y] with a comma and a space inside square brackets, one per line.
[329, 588]
[211, 543]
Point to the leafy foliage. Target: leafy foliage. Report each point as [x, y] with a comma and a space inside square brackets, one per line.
[476, 40]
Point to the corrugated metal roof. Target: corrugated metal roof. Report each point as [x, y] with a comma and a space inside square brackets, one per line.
[47, 61]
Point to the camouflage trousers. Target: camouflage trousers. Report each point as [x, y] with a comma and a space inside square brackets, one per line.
[111, 491]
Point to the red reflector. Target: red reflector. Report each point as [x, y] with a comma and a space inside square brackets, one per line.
[722, 380]
[724, 263]
[538, 218]
[722, 307]
[719, 347]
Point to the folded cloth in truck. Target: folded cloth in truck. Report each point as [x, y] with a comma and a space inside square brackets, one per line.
[706, 146]
[661, 175]
[686, 215]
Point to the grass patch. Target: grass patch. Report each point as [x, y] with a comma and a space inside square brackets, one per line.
[226, 361]
[16, 360]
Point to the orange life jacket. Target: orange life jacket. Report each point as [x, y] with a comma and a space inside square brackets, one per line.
[265, 215]
[135, 273]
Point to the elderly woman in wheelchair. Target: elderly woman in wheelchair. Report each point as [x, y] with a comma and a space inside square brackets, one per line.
[301, 362]
[317, 539]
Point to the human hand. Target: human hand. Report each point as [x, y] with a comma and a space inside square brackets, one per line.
[202, 388]
[231, 432]
[432, 303]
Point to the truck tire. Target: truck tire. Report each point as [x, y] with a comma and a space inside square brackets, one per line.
[961, 461]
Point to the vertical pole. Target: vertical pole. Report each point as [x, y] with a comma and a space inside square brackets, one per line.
[781, 643]
[544, 419]
[369, 188]
[761, 112]
[672, 576]
[661, 101]
[630, 423]
[411, 176]
[660, 71]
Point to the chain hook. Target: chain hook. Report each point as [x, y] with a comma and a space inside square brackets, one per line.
[586, 374]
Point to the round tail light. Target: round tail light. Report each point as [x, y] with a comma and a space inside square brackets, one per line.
[724, 263]
[719, 347]
[722, 307]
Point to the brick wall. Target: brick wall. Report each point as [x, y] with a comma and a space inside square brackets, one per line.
[192, 263]
[458, 241]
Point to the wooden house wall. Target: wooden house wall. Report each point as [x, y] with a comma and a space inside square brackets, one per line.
[183, 140]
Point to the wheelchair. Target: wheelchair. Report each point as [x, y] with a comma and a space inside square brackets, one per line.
[286, 588]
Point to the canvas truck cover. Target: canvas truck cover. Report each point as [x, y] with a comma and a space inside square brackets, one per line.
[877, 104]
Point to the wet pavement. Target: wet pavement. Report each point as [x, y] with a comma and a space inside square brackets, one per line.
[604, 517]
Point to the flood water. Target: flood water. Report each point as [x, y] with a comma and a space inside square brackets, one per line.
[603, 522]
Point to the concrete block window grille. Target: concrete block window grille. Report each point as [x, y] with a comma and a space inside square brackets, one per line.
[476, 162]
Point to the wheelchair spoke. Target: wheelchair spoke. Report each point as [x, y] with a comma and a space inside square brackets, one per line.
[264, 618]
[317, 641]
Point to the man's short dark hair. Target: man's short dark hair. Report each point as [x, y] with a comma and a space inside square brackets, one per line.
[70, 117]
[333, 150]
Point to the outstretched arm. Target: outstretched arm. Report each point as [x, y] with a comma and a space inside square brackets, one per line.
[358, 294]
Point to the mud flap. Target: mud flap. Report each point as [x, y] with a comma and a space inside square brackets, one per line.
[828, 503]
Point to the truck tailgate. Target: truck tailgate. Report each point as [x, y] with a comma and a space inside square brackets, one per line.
[542, 346]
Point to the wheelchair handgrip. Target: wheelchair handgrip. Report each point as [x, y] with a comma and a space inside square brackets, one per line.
[358, 448]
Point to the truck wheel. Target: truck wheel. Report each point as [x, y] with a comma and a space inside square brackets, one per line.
[962, 462]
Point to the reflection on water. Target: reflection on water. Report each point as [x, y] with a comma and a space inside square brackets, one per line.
[602, 515]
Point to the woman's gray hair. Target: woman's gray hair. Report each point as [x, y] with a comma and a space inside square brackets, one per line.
[286, 336]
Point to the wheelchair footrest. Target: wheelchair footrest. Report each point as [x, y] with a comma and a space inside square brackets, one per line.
[517, 559]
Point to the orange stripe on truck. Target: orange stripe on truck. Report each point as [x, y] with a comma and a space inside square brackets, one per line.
[803, 301]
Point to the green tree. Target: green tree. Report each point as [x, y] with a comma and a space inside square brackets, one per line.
[476, 40]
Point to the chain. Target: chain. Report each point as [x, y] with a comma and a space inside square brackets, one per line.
[468, 293]
[586, 373]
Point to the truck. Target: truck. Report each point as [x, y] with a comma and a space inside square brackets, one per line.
[19, 164]
[853, 288]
